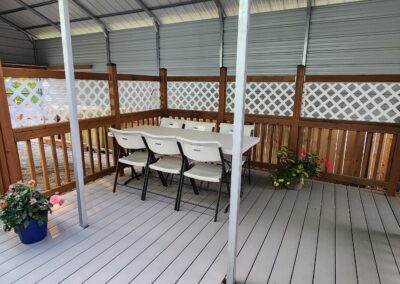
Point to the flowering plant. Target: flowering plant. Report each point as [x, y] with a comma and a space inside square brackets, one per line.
[23, 203]
[291, 170]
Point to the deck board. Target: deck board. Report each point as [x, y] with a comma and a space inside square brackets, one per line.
[323, 234]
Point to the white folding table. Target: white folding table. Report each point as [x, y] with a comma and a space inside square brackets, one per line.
[226, 140]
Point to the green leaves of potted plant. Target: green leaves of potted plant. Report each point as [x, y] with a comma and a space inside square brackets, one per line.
[25, 209]
[291, 172]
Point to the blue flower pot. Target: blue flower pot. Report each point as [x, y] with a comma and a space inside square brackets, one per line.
[33, 233]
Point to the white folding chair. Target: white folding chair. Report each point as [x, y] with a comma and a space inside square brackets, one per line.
[248, 130]
[206, 156]
[171, 122]
[168, 162]
[199, 125]
[131, 141]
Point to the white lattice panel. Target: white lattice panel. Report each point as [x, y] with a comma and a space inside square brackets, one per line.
[201, 96]
[352, 101]
[92, 98]
[38, 101]
[24, 101]
[138, 95]
[267, 98]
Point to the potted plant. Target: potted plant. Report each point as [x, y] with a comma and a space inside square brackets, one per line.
[25, 209]
[291, 172]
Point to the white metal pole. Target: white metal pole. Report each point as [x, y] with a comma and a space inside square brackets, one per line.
[240, 95]
[73, 110]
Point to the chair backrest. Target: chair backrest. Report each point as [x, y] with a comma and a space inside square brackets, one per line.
[162, 145]
[128, 139]
[171, 122]
[228, 129]
[199, 125]
[201, 151]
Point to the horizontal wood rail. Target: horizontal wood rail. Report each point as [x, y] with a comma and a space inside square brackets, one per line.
[132, 77]
[379, 127]
[40, 73]
[44, 67]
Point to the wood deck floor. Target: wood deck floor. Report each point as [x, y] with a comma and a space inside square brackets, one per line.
[325, 233]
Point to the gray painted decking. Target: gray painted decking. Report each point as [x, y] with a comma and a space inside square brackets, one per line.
[325, 233]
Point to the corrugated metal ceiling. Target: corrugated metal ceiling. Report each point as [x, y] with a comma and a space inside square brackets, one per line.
[127, 14]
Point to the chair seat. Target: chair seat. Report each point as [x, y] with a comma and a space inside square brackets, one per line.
[228, 158]
[138, 159]
[168, 164]
[205, 172]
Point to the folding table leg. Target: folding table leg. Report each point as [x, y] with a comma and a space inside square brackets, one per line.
[146, 181]
[179, 193]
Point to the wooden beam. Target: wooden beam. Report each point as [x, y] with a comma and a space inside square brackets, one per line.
[222, 95]
[298, 97]
[76, 67]
[394, 176]
[163, 89]
[10, 145]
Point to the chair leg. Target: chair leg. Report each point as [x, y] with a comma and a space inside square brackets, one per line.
[194, 186]
[116, 176]
[228, 187]
[219, 197]
[179, 193]
[249, 168]
[146, 181]
[164, 182]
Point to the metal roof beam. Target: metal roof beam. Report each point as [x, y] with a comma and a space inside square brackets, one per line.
[100, 23]
[220, 8]
[127, 12]
[40, 15]
[18, 28]
[19, 9]
[149, 12]
[90, 14]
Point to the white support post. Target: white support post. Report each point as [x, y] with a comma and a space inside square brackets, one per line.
[240, 95]
[73, 110]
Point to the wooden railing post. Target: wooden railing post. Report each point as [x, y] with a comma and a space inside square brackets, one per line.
[114, 96]
[114, 103]
[222, 95]
[10, 166]
[394, 176]
[163, 91]
[298, 97]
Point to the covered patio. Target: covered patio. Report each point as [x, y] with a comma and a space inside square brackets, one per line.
[314, 76]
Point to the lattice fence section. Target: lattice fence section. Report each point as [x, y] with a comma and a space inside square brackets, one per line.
[201, 96]
[267, 98]
[138, 95]
[38, 101]
[378, 102]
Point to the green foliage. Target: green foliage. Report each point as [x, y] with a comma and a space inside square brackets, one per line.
[21, 204]
[291, 170]
[25, 92]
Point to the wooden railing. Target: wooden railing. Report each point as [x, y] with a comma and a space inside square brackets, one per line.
[363, 153]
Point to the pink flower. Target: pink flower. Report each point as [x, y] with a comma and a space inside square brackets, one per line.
[329, 165]
[303, 152]
[33, 201]
[56, 199]
[3, 203]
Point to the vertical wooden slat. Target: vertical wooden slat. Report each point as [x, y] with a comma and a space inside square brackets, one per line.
[64, 147]
[271, 143]
[394, 170]
[367, 155]
[378, 156]
[298, 97]
[90, 150]
[55, 160]
[32, 169]
[43, 162]
[98, 148]
[106, 146]
[83, 154]
[341, 147]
